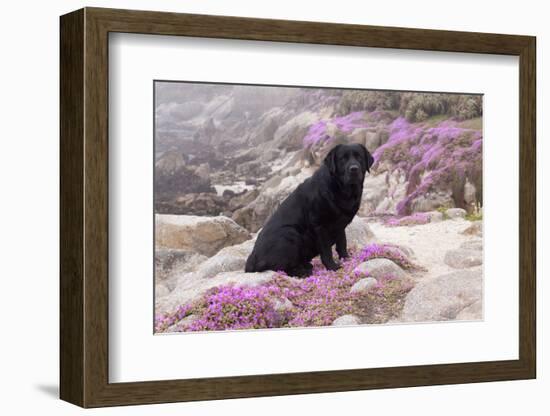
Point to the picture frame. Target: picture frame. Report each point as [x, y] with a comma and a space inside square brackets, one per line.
[84, 216]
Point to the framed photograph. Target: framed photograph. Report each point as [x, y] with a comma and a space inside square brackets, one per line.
[256, 207]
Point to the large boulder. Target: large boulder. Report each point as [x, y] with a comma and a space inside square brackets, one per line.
[204, 235]
[443, 298]
[463, 258]
[190, 287]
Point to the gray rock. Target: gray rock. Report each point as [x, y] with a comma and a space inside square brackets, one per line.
[359, 234]
[189, 319]
[470, 193]
[463, 258]
[161, 290]
[282, 304]
[376, 190]
[380, 268]
[204, 235]
[228, 259]
[404, 250]
[472, 245]
[170, 261]
[444, 297]
[453, 213]
[475, 229]
[254, 214]
[346, 320]
[220, 263]
[435, 216]
[431, 201]
[364, 285]
[474, 312]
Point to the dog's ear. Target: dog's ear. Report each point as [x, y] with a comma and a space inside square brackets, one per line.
[330, 159]
[369, 160]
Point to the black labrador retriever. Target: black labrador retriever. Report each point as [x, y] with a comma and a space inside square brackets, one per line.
[314, 217]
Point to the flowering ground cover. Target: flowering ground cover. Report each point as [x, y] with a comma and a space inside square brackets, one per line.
[289, 302]
[441, 157]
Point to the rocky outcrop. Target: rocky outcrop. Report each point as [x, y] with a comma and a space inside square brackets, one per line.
[203, 235]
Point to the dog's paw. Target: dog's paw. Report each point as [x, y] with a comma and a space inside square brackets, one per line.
[344, 255]
[333, 266]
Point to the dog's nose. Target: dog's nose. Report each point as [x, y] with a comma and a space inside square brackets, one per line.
[354, 169]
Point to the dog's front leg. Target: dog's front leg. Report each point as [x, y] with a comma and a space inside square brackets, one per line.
[325, 249]
[342, 245]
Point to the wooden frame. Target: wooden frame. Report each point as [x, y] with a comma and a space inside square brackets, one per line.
[84, 207]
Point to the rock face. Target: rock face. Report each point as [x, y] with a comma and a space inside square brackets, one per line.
[463, 258]
[444, 297]
[363, 285]
[346, 320]
[204, 235]
[379, 268]
[190, 287]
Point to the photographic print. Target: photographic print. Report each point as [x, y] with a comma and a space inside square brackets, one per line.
[293, 207]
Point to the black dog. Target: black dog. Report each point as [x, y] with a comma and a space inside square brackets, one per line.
[314, 217]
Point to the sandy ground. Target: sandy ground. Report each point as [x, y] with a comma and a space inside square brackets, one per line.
[429, 242]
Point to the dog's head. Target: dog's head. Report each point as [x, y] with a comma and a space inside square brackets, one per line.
[349, 162]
